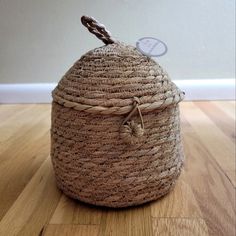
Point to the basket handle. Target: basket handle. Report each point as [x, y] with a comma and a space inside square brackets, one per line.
[97, 29]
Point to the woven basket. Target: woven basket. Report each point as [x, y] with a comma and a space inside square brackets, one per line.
[115, 135]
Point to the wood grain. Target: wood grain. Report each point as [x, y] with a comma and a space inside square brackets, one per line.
[10, 110]
[211, 187]
[219, 145]
[28, 133]
[202, 202]
[70, 211]
[35, 205]
[224, 122]
[179, 227]
[71, 230]
[226, 107]
[180, 202]
[134, 221]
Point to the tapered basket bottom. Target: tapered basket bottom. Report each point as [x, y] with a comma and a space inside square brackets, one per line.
[121, 201]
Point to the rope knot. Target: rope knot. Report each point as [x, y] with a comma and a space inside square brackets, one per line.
[130, 132]
[136, 101]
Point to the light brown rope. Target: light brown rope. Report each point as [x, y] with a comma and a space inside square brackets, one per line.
[146, 107]
[136, 107]
[97, 29]
[130, 132]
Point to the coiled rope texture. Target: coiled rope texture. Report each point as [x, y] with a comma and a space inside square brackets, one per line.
[115, 135]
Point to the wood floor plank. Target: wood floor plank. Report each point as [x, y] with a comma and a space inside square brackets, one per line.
[70, 211]
[220, 118]
[220, 146]
[20, 159]
[198, 159]
[211, 188]
[179, 227]
[227, 107]
[10, 110]
[71, 230]
[35, 205]
[180, 202]
[134, 221]
[232, 176]
[14, 127]
[215, 204]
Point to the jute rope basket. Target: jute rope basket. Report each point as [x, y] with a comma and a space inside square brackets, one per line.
[115, 134]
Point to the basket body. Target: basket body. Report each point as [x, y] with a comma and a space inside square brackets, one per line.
[93, 164]
[115, 135]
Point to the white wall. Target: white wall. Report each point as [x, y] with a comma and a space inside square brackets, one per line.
[40, 39]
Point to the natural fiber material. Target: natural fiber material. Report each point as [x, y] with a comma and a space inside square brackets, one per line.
[115, 126]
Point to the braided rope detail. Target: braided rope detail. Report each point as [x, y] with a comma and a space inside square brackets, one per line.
[97, 29]
[146, 107]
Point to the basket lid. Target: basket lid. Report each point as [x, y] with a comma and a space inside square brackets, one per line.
[107, 80]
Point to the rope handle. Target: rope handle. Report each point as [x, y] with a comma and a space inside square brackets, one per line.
[97, 29]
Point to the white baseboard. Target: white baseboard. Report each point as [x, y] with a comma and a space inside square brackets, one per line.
[197, 89]
[26, 93]
[207, 89]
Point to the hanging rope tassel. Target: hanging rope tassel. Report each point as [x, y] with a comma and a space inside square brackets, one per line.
[130, 131]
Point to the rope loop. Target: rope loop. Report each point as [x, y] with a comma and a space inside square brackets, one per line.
[130, 131]
[97, 29]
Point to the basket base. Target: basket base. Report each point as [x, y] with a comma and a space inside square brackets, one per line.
[117, 204]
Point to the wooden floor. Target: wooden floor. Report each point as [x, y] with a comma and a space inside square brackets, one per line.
[202, 203]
